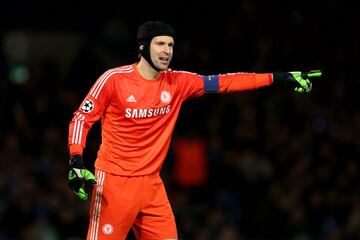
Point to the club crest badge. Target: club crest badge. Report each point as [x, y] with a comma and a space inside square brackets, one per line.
[165, 97]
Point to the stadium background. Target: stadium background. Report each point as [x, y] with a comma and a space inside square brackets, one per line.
[279, 165]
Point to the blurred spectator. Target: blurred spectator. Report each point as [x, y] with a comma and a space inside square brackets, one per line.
[190, 161]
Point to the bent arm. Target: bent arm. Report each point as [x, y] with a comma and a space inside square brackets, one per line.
[91, 110]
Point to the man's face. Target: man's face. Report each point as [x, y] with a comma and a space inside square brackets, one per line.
[161, 51]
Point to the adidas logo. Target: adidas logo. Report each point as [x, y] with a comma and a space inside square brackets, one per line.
[131, 99]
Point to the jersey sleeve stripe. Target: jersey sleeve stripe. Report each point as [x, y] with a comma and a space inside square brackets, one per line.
[79, 134]
[96, 94]
[78, 128]
[102, 80]
[74, 129]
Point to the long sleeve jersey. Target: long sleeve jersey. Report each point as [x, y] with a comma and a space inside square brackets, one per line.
[138, 116]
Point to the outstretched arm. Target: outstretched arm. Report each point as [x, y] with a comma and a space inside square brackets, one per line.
[235, 82]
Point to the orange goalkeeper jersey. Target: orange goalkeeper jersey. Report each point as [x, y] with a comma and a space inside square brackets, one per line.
[138, 116]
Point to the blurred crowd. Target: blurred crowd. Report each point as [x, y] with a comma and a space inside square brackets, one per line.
[276, 165]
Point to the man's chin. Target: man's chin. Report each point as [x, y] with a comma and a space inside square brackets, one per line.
[163, 67]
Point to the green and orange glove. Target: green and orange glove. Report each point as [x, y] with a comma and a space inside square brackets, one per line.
[300, 82]
[78, 176]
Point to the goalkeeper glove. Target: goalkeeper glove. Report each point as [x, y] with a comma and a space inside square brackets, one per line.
[78, 175]
[299, 81]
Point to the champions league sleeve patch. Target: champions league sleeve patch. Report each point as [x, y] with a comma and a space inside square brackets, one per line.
[87, 106]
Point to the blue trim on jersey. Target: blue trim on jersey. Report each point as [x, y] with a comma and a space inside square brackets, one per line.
[211, 84]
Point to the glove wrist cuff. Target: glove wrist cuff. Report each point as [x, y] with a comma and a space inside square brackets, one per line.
[281, 77]
[76, 161]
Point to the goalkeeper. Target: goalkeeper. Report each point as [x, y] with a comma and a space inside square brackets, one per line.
[138, 105]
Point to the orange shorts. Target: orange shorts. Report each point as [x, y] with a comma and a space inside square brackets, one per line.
[120, 203]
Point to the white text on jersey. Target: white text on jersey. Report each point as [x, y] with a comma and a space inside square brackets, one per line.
[143, 113]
